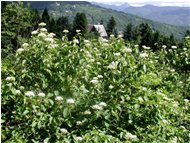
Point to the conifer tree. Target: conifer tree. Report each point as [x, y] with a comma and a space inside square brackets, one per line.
[128, 32]
[80, 23]
[46, 17]
[111, 26]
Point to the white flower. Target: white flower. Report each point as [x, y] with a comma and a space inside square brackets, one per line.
[112, 65]
[184, 49]
[78, 31]
[41, 94]
[70, 101]
[111, 35]
[136, 46]
[117, 54]
[88, 66]
[102, 104]
[34, 32]
[63, 130]
[78, 138]
[86, 41]
[174, 47]
[128, 50]
[187, 37]
[164, 46]
[111, 87]
[87, 112]
[18, 92]
[58, 98]
[94, 81]
[51, 35]
[140, 99]
[79, 123]
[182, 127]
[130, 136]
[42, 24]
[186, 100]
[76, 41]
[49, 40]
[172, 70]
[29, 93]
[97, 107]
[120, 36]
[20, 50]
[100, 76]
[10, 78]
[42, 35]
[43, 29]
[143, 55]
[174, 140]
[25, 45]
[66, 31]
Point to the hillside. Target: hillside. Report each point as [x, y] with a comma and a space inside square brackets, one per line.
[179, 16]
[95, 14]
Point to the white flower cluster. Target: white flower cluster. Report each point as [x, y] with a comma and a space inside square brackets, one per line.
[130, 136]
[64, 131]
[32, 94]
[174, 140]
[43, 29]
[111, 87]
[127, 50]
[43, 35]
[164, 46]
[49, 40]
[51, 35]
[58, 98]
[112, 65]
[78, 31]
[94, 80]
[143, 55]
[78, 138]
[99, 106]
[145, 47]
[116, 54]
[174, 47]
[70, 101]
[10, 78]
[25, 45]
[75, 41]
[65, 31]
[20, 50]
[42, 24]
[87, 112]
[34, 32]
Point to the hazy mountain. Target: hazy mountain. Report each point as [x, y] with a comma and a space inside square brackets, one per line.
[96, 13]
[119, 7]
[179, 16]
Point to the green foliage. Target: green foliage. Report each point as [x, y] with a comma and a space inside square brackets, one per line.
[111, 26]
[16, 21]
[80, 23]
[93, 91]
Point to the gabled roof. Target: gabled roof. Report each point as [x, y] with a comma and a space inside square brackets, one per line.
[100, 29]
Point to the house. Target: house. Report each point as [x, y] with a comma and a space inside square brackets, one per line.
[98, 28]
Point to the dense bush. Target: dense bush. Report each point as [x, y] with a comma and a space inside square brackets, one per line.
[94, 91]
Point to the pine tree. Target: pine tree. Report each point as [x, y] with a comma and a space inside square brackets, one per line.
[111, 26]
[128, 32]
[80, 23]
[46, 18]
[146, 35]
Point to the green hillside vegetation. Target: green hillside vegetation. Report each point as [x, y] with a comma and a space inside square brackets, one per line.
[95, 14]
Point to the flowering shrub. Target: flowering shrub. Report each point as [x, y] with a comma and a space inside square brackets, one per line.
[94, 91]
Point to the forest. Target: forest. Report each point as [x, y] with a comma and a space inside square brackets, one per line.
[62, 83]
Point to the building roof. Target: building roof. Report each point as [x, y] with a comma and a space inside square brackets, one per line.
[100, 29]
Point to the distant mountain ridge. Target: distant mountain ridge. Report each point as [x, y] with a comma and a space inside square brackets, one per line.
[179, 16]
[96, 14]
